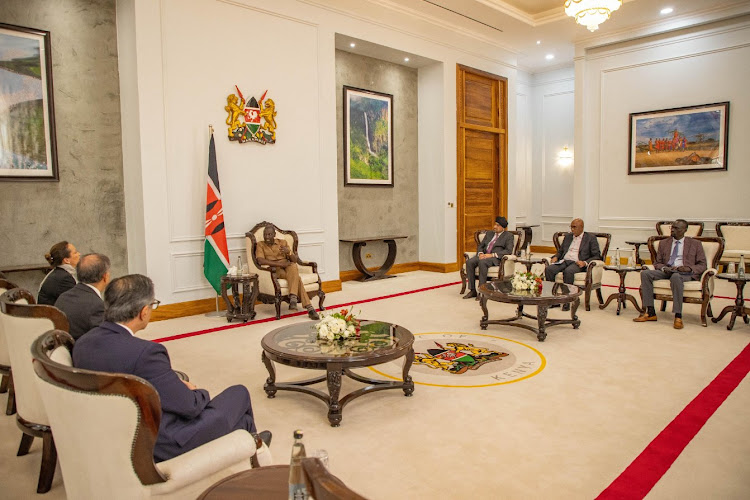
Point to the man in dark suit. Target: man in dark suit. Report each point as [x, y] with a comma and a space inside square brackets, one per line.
[190, 417]
[83, 304]
[577, 250]
[494, 246]
[678, 259]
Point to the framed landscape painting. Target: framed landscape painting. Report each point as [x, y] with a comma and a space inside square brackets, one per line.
[679, 140]
[28, 148]
[368, 138]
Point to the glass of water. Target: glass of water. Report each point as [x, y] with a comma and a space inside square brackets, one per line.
[321, 455]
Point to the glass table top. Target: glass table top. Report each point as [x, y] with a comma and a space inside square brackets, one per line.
[549, 290]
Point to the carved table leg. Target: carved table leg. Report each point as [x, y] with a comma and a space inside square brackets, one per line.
[408, 382]
[230, 306]
[485, 315]
[334, 388]
[541, 315]
[382, 271]
[253, 297]
[573, 316]
[270, 386]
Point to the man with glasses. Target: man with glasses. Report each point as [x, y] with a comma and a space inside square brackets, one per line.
[190, 417]
[577, 250]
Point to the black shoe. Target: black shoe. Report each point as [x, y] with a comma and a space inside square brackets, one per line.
[566, 307]
[470, 295]
[292, 302]
[265, 436]
[554, 305]
[311, 313]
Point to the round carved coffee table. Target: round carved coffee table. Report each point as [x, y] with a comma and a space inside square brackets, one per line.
[550, 294]
[297, 346]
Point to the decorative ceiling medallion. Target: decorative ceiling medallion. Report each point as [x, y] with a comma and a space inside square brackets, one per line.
[244, 119]
[591, 13]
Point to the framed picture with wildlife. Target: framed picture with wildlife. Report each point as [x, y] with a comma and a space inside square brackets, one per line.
[368, 138]
[28, 150]
[686, 139]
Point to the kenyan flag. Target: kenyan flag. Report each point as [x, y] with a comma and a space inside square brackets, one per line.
[215, 253]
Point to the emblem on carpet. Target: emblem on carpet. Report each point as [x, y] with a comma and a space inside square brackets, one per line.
[455, 359]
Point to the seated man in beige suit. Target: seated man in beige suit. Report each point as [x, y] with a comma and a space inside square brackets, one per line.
[276, 253]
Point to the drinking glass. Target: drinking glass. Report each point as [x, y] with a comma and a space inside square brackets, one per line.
[321, 455]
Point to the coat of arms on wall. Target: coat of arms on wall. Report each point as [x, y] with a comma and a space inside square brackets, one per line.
[251, 121]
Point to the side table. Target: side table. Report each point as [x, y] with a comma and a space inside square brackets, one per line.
[237, 308]
[738, 309]
[527, 235]
[622, 296]
[637, 245]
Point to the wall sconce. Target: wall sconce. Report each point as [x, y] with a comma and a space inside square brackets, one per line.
[565, 157]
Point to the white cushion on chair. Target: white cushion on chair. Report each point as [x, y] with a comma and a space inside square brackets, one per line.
[579, 279]
[691, 288]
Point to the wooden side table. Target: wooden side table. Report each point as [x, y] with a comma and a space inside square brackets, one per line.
[622, 296]
[237, 308]
[738, 309]
[382, 271]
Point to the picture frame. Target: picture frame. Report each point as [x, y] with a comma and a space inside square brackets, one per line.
[368, 138]
[28, 151]
[688, 139]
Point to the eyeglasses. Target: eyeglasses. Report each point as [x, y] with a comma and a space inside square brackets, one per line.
[155, 304]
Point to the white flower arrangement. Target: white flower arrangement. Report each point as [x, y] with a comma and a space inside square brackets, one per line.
[526, 281]
[341, 325]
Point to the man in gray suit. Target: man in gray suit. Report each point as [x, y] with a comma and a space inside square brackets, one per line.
[577, 250]
[494, 246]
[83, 304]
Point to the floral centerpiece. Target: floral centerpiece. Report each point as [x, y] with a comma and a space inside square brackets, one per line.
[341, 325]
[526, 281]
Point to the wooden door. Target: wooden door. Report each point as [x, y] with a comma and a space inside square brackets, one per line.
[482, 153]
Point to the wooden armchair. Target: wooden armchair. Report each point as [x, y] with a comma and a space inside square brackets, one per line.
[106, 426]
[272, 289]
[664, 228]
[736, 241]
[22, 322]
[695, 292]
[6, 385]
[591, 279]
[322, 485]
[496, 272]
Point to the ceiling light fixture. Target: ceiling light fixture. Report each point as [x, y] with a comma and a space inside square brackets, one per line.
[591, 13]
[406, 59]
[549, 57]
[352, 44]
[538, 42]
[666, 10]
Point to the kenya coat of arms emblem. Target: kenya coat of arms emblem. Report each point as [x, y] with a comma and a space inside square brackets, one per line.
[251, 121]
[457, 358]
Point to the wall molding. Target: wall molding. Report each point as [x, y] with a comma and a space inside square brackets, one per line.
[676, 58]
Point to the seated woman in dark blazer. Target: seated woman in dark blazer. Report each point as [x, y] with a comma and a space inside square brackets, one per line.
[62, 278]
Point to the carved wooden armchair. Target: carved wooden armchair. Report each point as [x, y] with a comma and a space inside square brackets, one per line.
[736, 241]
[105, 430]
[6, 385]
[22, 322]
[272, 289]
[591, 278]
[695, 292]
[497, 272]
[664, 228]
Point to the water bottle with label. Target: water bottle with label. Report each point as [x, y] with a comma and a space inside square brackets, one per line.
[617, 258]
[297, 488]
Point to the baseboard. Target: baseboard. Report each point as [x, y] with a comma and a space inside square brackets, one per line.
[405, 267]
[331, 286]
[188, 308]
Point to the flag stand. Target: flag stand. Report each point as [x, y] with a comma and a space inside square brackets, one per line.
[217, 313]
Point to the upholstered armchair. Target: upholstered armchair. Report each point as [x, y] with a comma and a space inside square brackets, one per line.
[664, 228]
[736, 241]
[507, 266]
[6, 385]
[591, 278]
[105, 430]
[695, 292]
[272, 289]
[22, 322]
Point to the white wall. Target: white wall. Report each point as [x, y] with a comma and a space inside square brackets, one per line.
[183, 58]
[696, 66]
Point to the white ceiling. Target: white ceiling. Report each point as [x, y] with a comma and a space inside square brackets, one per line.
[517, 25]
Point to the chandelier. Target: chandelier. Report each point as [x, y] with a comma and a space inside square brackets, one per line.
[591, 13]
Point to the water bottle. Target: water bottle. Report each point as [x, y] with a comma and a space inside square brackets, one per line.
[617, 258]
[297, 488]
[239, 265]
[741, 267]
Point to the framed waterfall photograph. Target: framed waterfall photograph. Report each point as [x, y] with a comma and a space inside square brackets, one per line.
[687, 139]
[28, 148]
[368, 138]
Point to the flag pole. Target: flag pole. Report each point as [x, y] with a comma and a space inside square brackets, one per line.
[215, 313]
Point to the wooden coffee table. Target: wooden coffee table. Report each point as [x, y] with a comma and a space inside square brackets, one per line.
[551, 294]
[264, 483]
[296, 345]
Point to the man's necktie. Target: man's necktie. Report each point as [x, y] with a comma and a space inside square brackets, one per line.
[675, 252]
[492, 242]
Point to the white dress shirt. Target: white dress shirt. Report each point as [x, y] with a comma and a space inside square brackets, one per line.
[575, 245]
